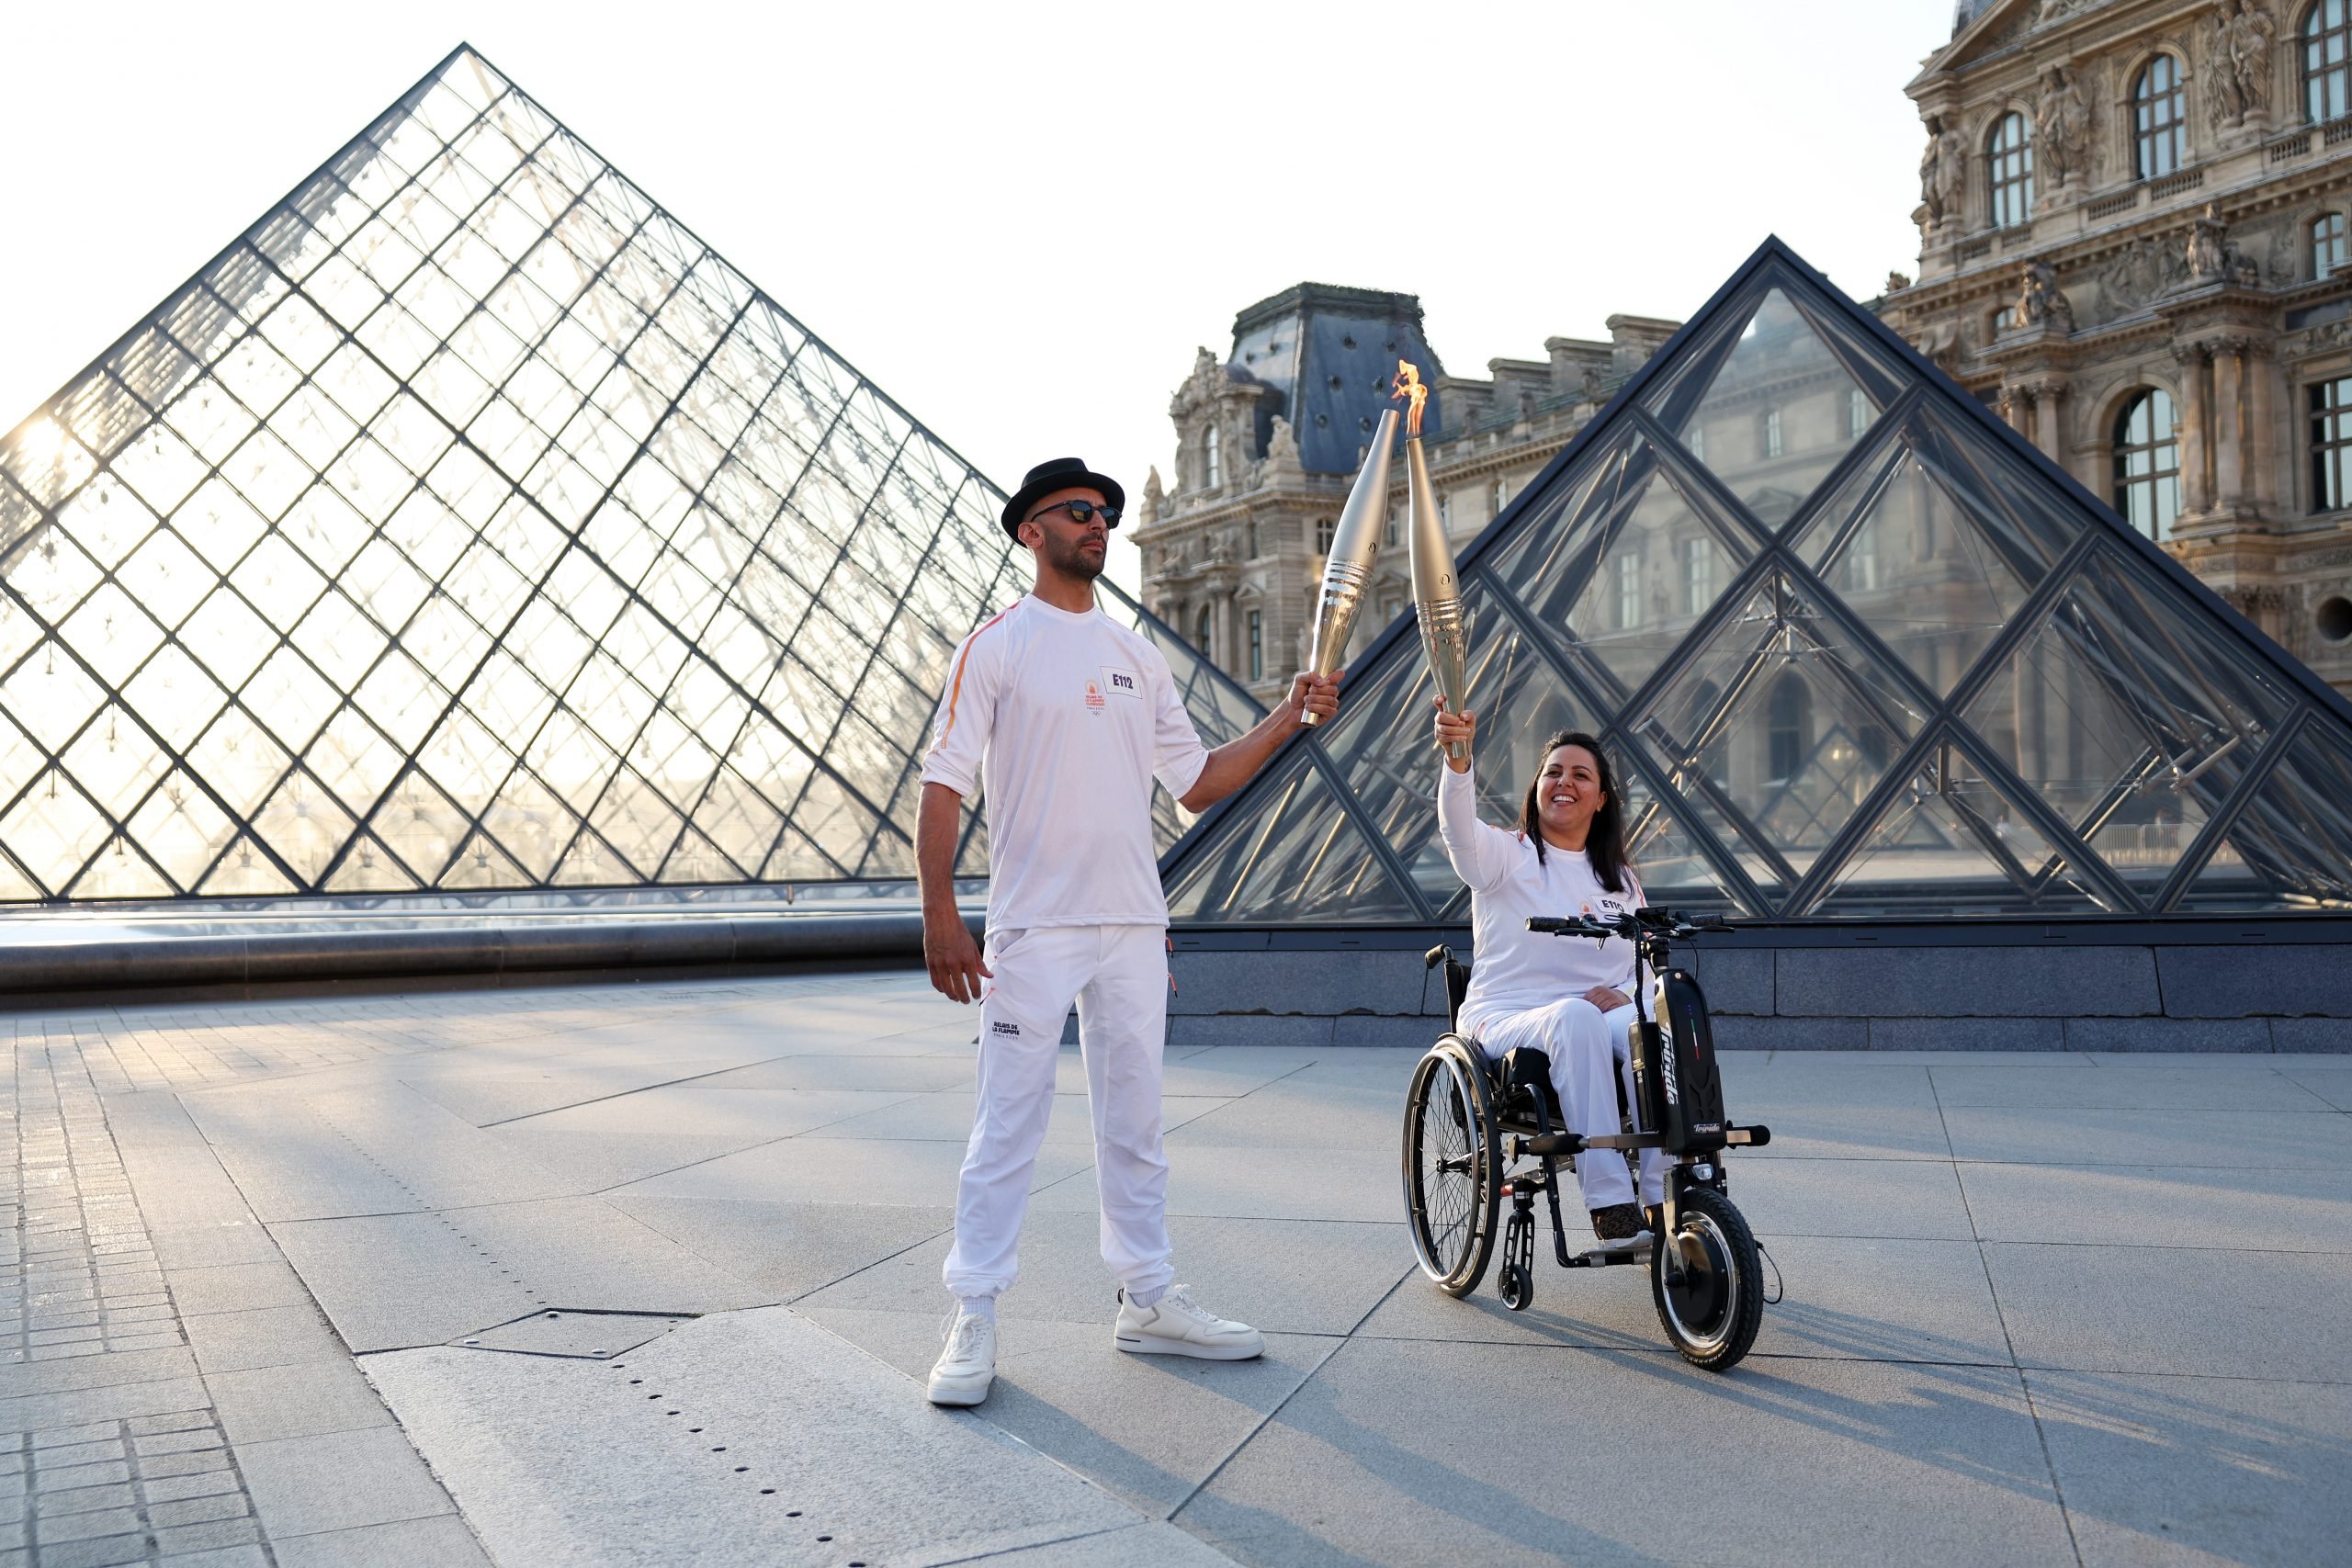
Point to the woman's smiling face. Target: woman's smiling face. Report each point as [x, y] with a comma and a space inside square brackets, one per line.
[1568, 792]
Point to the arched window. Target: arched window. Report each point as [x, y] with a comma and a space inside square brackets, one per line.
[1787, 721]
[2147, 464]
[2327, 60]
[1212, 466]
[1201, 634]
[2328, 244]
[2009, 171]
[2159, 119]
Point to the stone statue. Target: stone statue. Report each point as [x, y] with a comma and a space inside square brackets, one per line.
[2061, 130]
[1943, 172]
[1896, 282]
[2208, 246]
[1281, 446]
[2223, 106]
[2251, 31]
[2040, 300]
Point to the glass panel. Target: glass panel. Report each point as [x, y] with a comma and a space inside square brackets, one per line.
[53, 830]
[1619, 577]
[181, 827]
[1953, 841]
[1782, 722]
[1776, 416]
[2131, 720]
[2290, 847]
[1295, 857]
[1673, 869]
[1915, 546]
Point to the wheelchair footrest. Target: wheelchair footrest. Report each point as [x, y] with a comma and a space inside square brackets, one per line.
[1604, 1258]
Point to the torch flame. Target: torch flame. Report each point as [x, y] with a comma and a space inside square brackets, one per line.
[1408, 385]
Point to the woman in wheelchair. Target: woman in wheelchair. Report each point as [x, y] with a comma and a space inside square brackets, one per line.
[1573, 1000]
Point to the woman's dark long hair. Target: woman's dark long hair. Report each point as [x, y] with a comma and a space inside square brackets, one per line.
[1606, 840]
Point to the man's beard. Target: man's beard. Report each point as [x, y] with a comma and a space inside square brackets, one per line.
[1075, 560]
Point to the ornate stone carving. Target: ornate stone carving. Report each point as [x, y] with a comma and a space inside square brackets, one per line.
[1155, 496]
[2237, 62]
[2062, 130]
[1282, 448]
[1943, 173]
[2040, 300]
[2210, 257]
[2137, 274]
[1896, 282]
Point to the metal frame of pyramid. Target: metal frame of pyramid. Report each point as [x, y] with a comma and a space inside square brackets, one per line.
[467, 525]
[1857, 649]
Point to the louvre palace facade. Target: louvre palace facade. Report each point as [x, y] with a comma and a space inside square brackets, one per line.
[2132, 230]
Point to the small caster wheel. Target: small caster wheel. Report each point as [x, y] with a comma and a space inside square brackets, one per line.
[1518, 1287]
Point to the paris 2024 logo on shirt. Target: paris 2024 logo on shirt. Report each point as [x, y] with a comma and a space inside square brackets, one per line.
[1115, 683]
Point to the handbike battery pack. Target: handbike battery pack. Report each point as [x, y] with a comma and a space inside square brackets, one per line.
[1681, 1094]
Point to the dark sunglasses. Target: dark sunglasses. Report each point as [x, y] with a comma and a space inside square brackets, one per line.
[1080, 512]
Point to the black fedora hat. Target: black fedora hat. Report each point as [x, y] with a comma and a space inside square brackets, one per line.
[1059, 473]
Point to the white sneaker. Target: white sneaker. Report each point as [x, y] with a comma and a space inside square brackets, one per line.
[1176, 1325]
[968, 1364]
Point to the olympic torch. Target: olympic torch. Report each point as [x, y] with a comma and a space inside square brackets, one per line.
[1437, 591]
[1348, 568]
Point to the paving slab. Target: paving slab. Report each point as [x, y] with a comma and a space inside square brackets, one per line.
[2278, 1140]
[1284, 1114]
[1787, 1077]
[1287, 1276]
[488, 1095]
[2206, 1312]
[862, 1069]
[1851, 1299]
[611, 1142]
[808, 1452]
[1404, 1454]
[401, 1280]
[1803, 1128]
[2170, 1470]
[1914, 1199]
[1149, 1430]
[840, 1170]
[1162, 1545]
[337, 1481]
[2177, 1206]
[440, 1541]
[2254, 1088]
[305, 1400]
[787, 1249]
[2331, 1084]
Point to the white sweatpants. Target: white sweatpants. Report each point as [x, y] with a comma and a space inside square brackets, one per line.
[1118, 977]
[1583, 1042]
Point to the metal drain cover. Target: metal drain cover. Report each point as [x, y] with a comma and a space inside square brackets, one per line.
[591, 1335]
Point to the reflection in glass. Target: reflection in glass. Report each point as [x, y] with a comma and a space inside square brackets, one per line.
[1778, 415]
[2133, 725]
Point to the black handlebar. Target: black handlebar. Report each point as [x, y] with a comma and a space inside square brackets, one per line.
[1631, 925]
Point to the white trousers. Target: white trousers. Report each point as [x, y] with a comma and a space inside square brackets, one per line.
[1118, 977]
[1584, 1042]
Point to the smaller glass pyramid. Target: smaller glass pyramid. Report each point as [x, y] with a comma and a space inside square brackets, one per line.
[1856, 650]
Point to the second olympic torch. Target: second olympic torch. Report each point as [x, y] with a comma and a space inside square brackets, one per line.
[1437, 591]
[1347, 568]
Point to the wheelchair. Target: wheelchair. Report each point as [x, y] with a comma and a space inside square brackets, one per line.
[1471, 1122]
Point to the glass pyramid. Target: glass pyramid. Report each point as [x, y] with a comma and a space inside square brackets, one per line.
[469, 525]
[1856, 650]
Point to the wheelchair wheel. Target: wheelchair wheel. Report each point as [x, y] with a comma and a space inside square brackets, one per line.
[1713, 1312]
[1453, 1166]
[1518, 1288]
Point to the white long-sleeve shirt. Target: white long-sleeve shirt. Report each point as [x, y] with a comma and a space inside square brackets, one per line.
[1514, 968]
[1067, 718]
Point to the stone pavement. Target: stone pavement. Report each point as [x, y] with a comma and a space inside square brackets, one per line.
[646, 1275]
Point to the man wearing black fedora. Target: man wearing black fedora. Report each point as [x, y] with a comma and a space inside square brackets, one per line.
[1066, 717]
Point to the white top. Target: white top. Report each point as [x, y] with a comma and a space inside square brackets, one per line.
[1515, 969]
[1068, 717]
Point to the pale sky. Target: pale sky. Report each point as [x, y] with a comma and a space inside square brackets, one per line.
[1020, 218]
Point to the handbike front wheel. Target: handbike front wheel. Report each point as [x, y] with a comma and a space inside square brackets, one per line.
[1453, 1172]
[1713, 1310]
